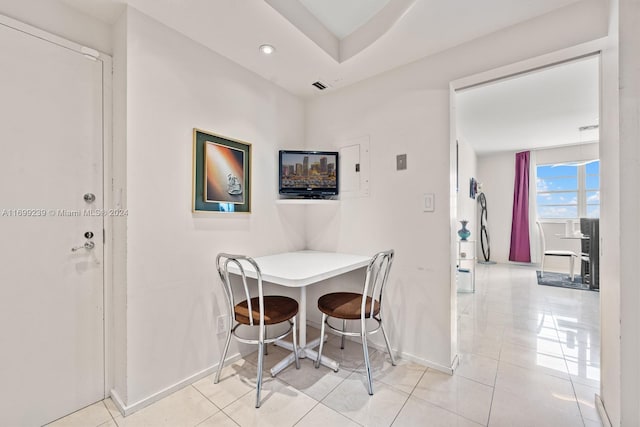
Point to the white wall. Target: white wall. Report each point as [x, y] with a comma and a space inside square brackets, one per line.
[57, 18]
[173, 293]
[571, 153]
[116, 318]
[497, 173]
[629, 62]
[610, 369]
[407, 111]
[392, 216]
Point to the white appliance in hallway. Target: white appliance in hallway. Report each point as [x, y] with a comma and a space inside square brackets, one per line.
[51, 200]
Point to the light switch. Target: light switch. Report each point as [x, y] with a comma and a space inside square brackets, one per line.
[429, 202]
[401, 162]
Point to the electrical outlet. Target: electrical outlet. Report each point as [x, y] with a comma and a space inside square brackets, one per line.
[222, 325]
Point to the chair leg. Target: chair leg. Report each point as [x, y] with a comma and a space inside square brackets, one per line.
[344, 329]
[260, 363]
[324, 319]
[224, 355]
[365, 349]
[295, 344]
[542, 266]
[571, 265]
[386, 340]
[266, 348]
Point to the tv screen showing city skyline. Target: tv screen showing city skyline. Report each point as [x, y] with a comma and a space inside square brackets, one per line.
[307, 170]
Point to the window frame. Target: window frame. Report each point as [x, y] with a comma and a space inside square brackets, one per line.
[581, 190]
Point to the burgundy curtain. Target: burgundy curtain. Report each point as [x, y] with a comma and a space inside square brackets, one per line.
[520, 249]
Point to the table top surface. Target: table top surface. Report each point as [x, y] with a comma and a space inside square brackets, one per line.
[302, 268]
[573, 236]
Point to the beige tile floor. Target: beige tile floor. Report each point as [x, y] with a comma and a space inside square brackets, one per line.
[529, 356]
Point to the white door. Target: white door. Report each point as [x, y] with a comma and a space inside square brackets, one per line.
[51, 313]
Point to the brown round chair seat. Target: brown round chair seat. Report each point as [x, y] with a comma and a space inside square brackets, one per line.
[277, 309]
[346, 305]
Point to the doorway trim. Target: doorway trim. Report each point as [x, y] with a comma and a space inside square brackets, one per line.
[513, 70]
[107, 170]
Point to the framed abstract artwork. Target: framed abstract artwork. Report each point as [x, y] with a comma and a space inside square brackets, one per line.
[221, 173]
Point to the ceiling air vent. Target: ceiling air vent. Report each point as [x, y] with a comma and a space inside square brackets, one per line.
[319, 85]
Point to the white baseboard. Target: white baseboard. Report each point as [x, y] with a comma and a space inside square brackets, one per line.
[455, 363]
[402, 355]
[429, 364]
[126, 410]
[604, 417]
[117, 401]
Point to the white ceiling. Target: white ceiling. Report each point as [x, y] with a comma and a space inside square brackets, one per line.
[536, 110]
[541, 109]
[343, 17]
[342, 29]
[236, 28]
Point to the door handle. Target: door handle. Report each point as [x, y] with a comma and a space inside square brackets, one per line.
[88, 245]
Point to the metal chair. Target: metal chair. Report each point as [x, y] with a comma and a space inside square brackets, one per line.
[590, 252]
[560, 253]
[359, 306]
[254, 312]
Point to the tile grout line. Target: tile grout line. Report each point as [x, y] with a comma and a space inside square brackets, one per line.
[110, 414]
[409, 397]
[573, 387]
[227, 405]
[495, 382]
[210, 401]
[318, 402]
[344, 415]
[306, 413]
[446, 409]
[336, 386]
[219, 411]
[443, 408]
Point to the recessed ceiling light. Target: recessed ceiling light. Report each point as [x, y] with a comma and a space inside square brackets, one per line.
[267, 49]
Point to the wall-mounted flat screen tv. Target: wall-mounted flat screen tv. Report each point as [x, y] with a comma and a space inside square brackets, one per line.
[309, 174]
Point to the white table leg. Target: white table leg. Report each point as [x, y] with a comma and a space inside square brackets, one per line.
[285, 344]
[313, 355]
[304, 349]
[302, 353]
[282, 364]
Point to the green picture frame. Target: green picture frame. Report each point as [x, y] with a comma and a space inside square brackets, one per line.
[221, 174]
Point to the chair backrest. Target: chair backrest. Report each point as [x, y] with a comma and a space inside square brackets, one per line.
[376, 278]
[543, 242]
[241, 262]
[586, 228]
